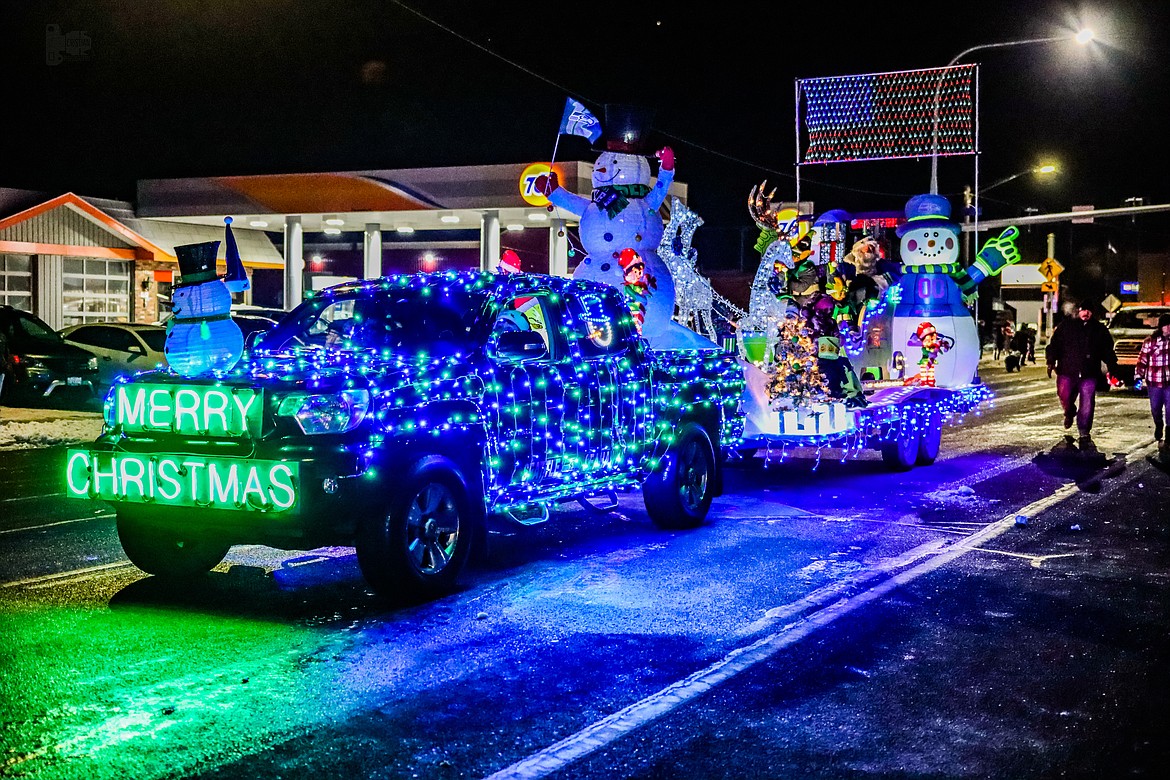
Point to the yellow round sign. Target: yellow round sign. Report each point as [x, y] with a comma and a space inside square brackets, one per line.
[528, 184]
[790, 226]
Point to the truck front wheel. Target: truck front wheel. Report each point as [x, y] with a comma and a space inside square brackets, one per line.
[166, 552]
[418, 548]
[678, 493]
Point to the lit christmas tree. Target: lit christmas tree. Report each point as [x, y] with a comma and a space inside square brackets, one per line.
[796, 378]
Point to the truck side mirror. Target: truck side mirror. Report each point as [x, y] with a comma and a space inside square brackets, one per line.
[519, 346]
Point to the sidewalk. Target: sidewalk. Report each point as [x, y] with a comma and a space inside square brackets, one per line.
[29, 428]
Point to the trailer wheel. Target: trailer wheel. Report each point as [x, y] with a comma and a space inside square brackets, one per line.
[166, 552]
[679, 492]
[902, 453]
[931, 441]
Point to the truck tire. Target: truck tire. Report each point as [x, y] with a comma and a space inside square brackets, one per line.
[418, 547]
[930, 442]
[679, 492]
[165, 552]
[902, 453]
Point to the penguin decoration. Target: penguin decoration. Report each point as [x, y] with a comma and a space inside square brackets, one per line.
[202, 338]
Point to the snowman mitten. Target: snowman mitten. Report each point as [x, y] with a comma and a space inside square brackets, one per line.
[998, 253]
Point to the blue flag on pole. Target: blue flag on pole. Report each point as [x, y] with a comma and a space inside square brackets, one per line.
[578, 121]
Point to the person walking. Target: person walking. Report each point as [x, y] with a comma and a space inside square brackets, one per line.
[1003, 337]
[1078, 347]
[1153, 371]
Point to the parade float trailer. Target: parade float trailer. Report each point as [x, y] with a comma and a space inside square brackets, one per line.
[857, 355]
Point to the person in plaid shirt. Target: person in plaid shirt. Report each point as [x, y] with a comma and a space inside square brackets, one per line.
[1153, 371]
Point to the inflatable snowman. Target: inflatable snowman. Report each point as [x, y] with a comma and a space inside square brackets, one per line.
[933, 332]
[201, 336]
[622, 214]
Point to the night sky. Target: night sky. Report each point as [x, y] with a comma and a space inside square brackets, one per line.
[211, 87]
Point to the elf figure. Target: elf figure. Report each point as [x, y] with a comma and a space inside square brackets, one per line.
[933, 344]
[636, 284]
[201, 335]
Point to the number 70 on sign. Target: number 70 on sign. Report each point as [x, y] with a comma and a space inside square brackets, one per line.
[528, 183]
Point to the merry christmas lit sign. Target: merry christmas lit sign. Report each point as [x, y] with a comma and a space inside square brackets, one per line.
[192, 410]
[183, 480]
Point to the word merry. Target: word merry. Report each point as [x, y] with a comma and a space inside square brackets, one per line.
[189, 410]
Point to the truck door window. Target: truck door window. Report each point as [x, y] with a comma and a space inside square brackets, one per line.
[592, 324]
[525, 313]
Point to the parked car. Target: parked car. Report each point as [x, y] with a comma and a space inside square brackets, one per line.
[247, 310]
[122, 348]
[1129, 326]
[251, 324]
[37, 364]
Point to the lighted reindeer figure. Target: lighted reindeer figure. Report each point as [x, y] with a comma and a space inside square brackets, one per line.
[694, 298]
[766, 309]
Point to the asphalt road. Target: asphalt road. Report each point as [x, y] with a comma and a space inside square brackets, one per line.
[1001, 613]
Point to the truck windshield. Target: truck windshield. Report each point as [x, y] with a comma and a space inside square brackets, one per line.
[1137, 319]
[401, 320]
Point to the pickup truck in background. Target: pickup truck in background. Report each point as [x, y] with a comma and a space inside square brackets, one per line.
[1129, 327]
[403, 416]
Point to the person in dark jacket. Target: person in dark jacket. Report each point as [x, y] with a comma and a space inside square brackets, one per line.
[1078, 347]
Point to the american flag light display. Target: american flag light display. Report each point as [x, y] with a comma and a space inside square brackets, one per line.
[887, 115]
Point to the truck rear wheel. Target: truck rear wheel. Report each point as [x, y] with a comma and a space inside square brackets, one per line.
[166, 552]
[679, 492]
[418, 548]
[902, 453]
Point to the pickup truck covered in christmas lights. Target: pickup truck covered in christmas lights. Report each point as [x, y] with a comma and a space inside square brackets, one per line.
[403, 415]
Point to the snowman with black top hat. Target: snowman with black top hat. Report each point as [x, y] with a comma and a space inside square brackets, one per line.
[622, 216]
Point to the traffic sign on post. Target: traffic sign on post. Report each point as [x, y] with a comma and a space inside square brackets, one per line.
[1050, 286]
[1050, 269]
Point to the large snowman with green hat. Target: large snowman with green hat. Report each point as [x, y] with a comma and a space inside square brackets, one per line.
[927, 295]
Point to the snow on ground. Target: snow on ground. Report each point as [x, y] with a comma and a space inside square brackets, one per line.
[23, 429]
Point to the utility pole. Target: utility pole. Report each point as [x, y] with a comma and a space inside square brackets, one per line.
[1051, 299]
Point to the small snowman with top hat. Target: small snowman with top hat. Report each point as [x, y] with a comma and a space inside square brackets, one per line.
[202, 338]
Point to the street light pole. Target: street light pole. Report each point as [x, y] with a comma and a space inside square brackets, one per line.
[1084, 36]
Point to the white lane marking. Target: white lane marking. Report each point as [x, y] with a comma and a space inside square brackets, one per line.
[59, 522]
[609, 729]
[53, 578]
[30, 498]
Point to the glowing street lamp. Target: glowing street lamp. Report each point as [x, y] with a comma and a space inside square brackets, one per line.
[1039, 169]
[1082, 37]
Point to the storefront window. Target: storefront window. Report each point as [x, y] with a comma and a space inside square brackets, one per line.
[96, 290]
[16, 281]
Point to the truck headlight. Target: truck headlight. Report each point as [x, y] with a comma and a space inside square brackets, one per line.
[332, 413]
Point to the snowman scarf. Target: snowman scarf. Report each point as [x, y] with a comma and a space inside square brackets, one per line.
[612, 200]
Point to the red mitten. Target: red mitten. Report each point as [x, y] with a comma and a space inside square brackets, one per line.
[546, 183]
[666, 156]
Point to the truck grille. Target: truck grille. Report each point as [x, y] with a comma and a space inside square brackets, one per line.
[1127, 348]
